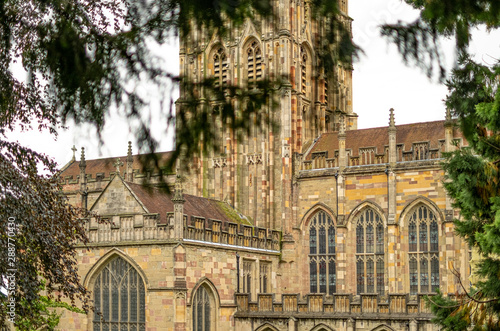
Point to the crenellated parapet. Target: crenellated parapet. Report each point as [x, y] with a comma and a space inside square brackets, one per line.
[233, 234]
[384, 145]
[149, 227]
[391, 306]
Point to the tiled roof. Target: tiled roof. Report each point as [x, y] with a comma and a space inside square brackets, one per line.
[106, 165]
[406, 134]
[157, 201]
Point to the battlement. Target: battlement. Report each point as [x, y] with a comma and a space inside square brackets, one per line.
[227, 233]
[339, 305]
[384, 145]
[129, 228]
[371, 156]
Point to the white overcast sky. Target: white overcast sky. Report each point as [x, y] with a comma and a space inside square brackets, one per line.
[381, 82]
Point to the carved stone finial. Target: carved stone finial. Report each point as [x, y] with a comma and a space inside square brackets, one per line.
[178, 194]
[118, 163]
[448, 120]
[83, 163]
[74, 151]
[392, 123]
[129, 153]
[342, 125]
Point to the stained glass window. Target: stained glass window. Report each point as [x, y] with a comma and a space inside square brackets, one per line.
[370, 248]
[322, 276]
[313, 276]
[413, 276]
[312, 240]
[360, 272]
[201, 310]
[434, 237]
[369, 238]
[380, 276]
[331, 239]
[119, 297]
[370, 284]
[332, 277]
[380, 239]
[434, 274]
[423, 240]
[412, 236]
[424, 275]
[322, 242]
[423, 236]
[360, 239]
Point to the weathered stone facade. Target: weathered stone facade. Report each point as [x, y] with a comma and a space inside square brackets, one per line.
[316, 226]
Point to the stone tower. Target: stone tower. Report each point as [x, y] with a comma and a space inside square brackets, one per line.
[256, 175]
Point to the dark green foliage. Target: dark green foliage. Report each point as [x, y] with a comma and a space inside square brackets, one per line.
[38, 242]
[446, 312]
[472, 180]
[472, 174]
[43, 315]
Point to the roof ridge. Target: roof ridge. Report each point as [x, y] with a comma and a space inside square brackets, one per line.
[124, 156]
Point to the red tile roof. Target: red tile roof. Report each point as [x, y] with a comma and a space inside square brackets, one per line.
[106, 165]
[378, 137]
[158, 201]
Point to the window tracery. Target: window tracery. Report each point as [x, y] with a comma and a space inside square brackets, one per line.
[423, 247]
[322, 246]
[202, 310]
[119, 295]
[370, 250]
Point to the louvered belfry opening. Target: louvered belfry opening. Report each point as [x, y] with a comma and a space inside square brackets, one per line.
[220, 67]
[303, 70]
[254, 62]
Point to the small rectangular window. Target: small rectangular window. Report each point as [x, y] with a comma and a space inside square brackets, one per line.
[265, 269]
[247, 276]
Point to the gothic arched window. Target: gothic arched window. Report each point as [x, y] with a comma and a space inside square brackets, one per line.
[220, 66]
[119, 297]
[322, 242]
[370, 253]
[254, 62]
[423, 250]
[202, 310]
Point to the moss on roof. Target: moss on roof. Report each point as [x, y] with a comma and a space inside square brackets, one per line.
[233, 214]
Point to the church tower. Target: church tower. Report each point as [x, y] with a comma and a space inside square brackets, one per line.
[256, 175]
